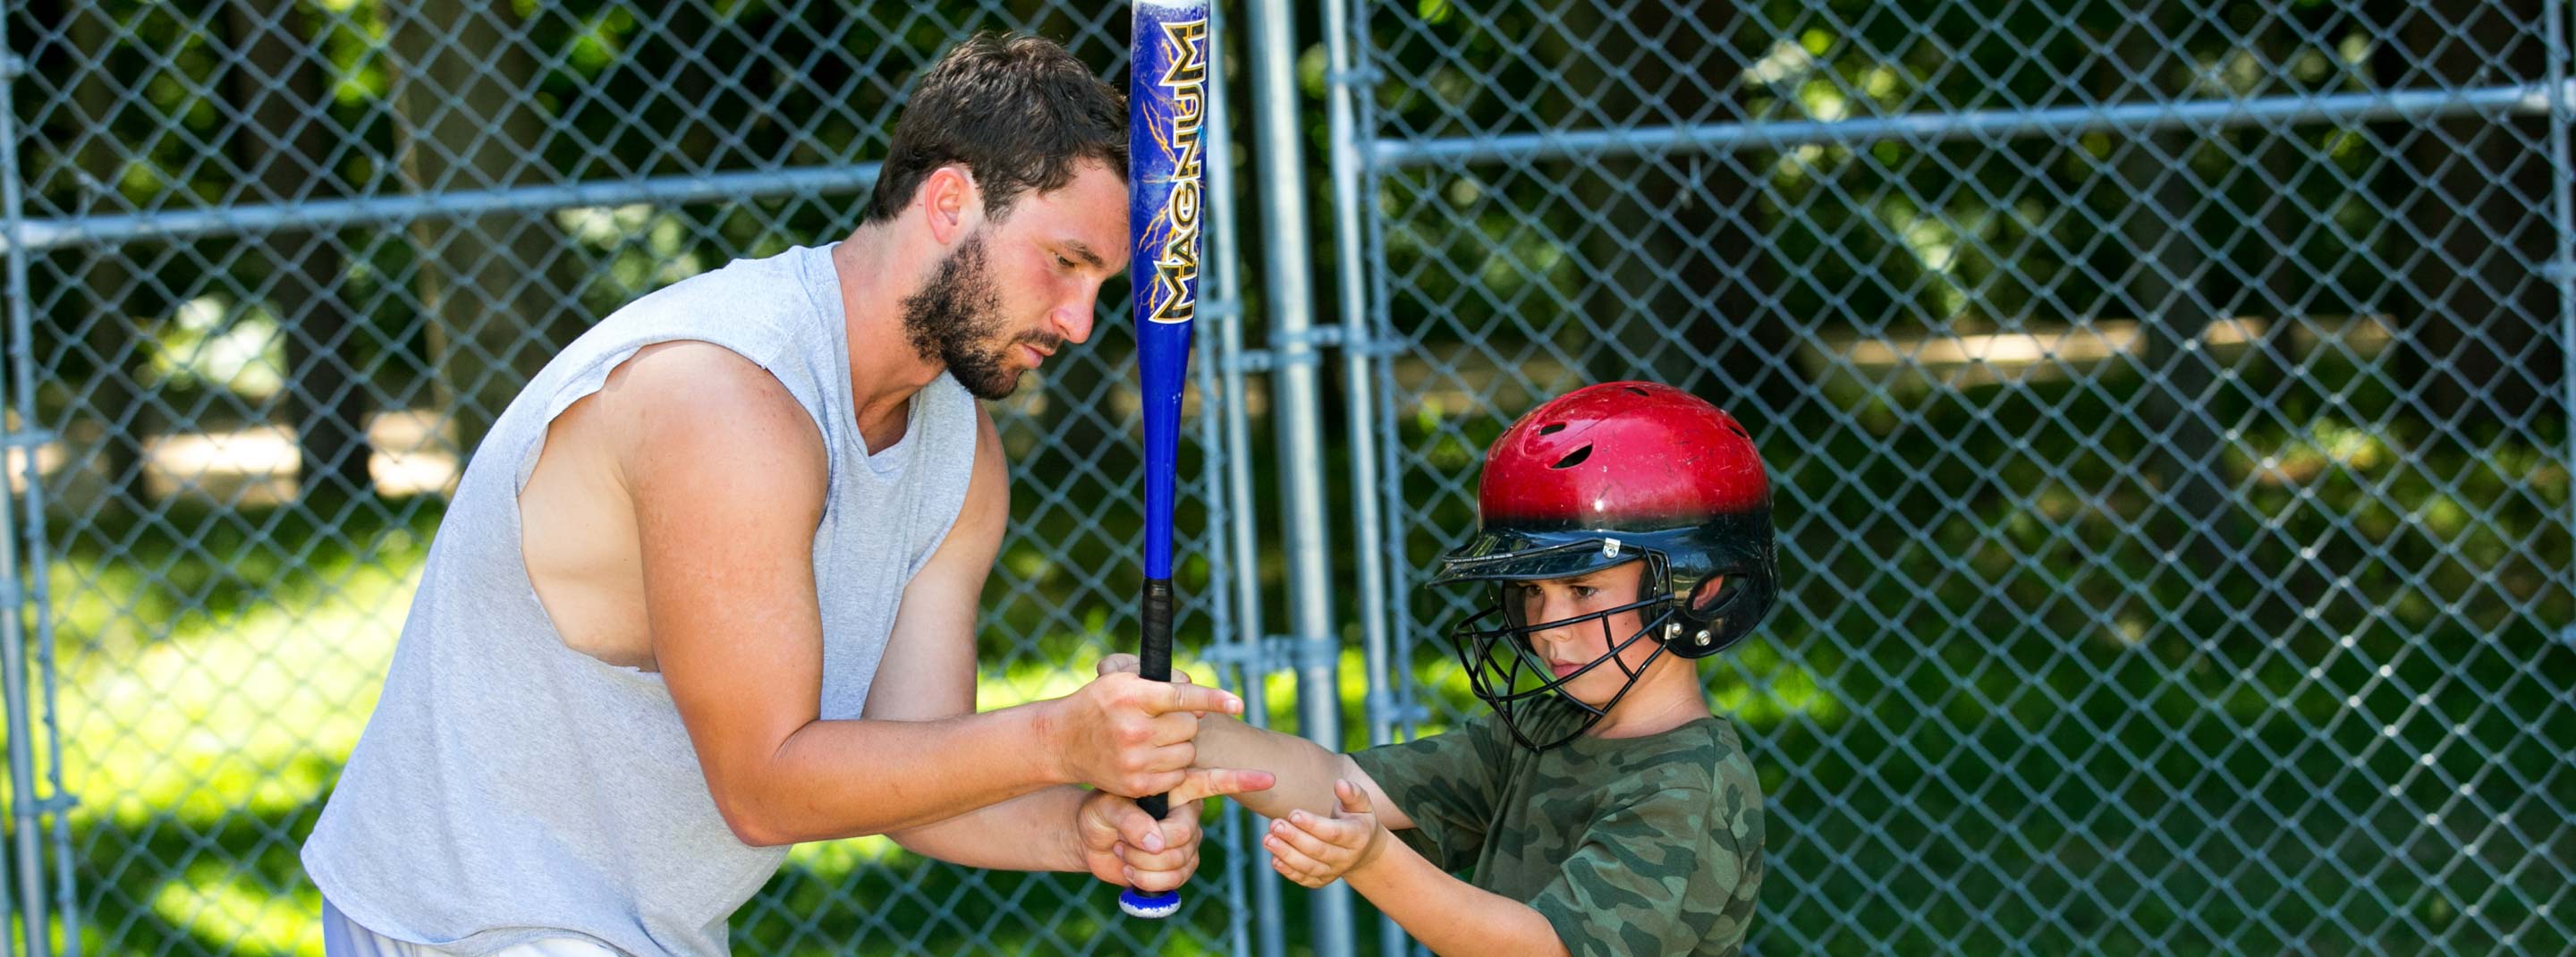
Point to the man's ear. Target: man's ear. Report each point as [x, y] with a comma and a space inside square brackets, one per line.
[951, 203]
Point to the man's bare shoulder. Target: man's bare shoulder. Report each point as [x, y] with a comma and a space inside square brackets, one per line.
[696, 407]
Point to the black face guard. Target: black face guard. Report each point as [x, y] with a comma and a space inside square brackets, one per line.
[1517, 683]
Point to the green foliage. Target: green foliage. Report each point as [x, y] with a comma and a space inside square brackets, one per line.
[2018, 697]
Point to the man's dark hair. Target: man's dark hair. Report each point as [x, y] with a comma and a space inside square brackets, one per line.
[1018, 111]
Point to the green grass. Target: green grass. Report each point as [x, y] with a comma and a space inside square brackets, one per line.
[2052, 712]
[2010, 703]
[203, 749]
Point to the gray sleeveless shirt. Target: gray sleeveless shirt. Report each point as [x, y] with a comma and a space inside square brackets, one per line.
[509, 788]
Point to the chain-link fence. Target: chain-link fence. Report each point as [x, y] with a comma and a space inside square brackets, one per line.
[2168, 408]
[282, 263]
[2167, 401]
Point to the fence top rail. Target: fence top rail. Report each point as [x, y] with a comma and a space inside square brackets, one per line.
[1925, 128]
[43, 234]
[40, 234]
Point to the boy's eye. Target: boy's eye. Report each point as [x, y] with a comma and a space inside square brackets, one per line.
[1584, 591]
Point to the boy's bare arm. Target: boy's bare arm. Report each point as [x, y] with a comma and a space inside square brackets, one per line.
[1305, 771]
[1352, 844]
[1449, 915]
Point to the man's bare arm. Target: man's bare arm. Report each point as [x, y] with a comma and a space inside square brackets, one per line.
[728, 476]
[1304, 771]
[928, 673]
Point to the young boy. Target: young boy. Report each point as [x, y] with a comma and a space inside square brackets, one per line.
[1602, 808]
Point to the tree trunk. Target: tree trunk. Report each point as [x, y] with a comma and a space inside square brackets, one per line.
[2173, 311]
[691, 41]
[2472, 247]
[113, 323]
[494, 286]
[1674, 249]
[278, 87]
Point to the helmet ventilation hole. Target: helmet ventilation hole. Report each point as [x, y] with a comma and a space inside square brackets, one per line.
[1551, 428]
[1573, 458]
[1636, 390]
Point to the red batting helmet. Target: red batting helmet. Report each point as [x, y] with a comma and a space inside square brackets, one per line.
[1627, 471]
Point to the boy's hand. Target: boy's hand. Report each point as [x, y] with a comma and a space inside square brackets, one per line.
[1314, 851]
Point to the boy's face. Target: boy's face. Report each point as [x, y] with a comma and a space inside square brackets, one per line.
[1567, 648]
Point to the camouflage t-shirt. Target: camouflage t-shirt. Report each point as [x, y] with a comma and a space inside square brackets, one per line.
[1647, 845]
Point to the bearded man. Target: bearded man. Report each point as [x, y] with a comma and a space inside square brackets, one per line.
[708, 588]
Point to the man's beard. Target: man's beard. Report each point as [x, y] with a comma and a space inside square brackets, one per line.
[956, 320]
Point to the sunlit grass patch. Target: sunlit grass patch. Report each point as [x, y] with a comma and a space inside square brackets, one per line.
[255, 714]
[213, 902]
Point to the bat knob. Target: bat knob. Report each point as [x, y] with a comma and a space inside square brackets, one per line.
[1149, 906]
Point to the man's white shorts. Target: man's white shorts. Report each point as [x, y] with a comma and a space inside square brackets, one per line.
[342, 937]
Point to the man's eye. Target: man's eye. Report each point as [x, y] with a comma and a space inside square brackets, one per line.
[1063, 263]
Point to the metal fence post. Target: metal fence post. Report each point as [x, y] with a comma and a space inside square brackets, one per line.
[2561, 271]
[1231, 438]
[1345, 84]
[1296, 410]
[11, 586]
[28, 811]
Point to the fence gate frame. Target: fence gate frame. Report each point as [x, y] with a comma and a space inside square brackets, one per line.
[1363, 152]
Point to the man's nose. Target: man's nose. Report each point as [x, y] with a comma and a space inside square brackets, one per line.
[1073, 319]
